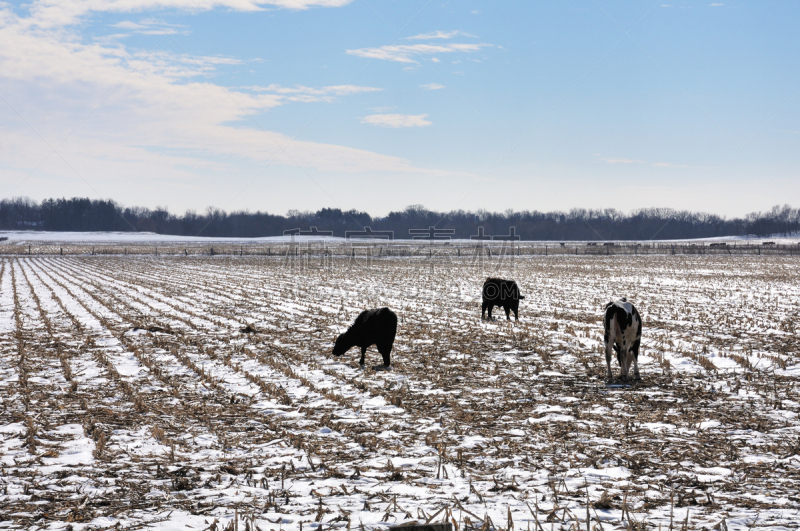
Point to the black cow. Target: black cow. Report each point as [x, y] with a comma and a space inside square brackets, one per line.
[371, 327]
[623, 333]
[499, 292]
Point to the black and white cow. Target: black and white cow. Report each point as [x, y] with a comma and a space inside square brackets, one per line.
[623, 333]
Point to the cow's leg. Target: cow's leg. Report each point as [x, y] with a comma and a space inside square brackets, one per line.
[516, 313]
[491, 306]
[363, 355]
[385, 351]
[483, 311]
[626, 362]
[621, 347]
[625, 357]
[508, 312]
[609, 341]
[635, 352]
[385, 348]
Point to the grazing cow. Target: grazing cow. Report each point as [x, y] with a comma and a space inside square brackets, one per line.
[372, 327]
[623, 333]
[499, 292]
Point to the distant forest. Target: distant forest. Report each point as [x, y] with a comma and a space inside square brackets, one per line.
[83, 214]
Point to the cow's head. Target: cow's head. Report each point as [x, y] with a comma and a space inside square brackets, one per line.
[339, 345]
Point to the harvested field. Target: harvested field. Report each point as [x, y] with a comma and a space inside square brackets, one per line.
[199, 392]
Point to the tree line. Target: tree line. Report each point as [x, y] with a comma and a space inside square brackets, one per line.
[83, 214]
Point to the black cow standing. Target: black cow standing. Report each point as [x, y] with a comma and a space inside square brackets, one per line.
[372, 327]
[499, 292]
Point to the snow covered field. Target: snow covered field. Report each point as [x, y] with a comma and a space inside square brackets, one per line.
[20, 237]
[131, 397]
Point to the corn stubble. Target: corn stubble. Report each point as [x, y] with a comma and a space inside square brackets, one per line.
[205, 385]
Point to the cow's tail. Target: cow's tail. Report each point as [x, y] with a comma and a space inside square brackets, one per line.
[522, 296]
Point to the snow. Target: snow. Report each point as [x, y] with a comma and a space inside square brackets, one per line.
[101, 237]
[110, 237]
[76, 449]
[179, 426]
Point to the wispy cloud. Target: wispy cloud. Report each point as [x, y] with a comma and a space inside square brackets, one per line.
[680, 166]
[397, 120]
[156, 114]
[300, 93]
[618, 160]
[432, 86]
[716, 4]
[623, 160]
[150, 27]
[439, 35]
[406, 53]
[55, 13]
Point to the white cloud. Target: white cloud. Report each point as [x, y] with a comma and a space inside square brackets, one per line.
[681, 166]
[150, 27]
[300, 93]
[397, 120]
[617, 160]
[716, 5]
[128, 25]
[55, 13]
[405, 53]
[432, 86]
[439, 35]
[153, 116]
[344, 90]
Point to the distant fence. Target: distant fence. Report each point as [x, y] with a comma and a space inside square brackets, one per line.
[400, 249]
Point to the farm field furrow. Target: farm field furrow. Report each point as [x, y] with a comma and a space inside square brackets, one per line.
[132, 394]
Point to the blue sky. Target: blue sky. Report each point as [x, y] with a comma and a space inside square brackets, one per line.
[379, 104]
